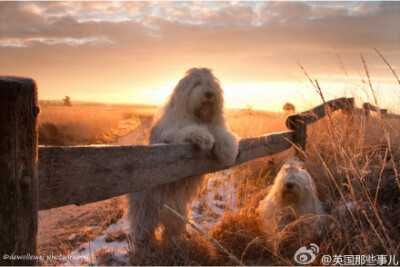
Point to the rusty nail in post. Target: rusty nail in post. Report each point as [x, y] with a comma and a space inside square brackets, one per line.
[25, 180]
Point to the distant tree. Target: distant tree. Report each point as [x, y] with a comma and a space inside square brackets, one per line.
[289, 108]
[67, 101]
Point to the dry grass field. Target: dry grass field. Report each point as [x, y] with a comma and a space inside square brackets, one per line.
[85, 125]
[355, 162]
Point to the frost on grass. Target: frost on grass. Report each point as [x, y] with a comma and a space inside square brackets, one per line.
[111, 248]
[100, 252]
[218, 197]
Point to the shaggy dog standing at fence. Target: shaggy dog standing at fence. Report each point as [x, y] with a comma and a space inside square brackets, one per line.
[293, 195]
[194, 113]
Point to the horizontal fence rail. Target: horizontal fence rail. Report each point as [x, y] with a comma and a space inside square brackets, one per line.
[370, 107]
[312, 115]
[80, 175]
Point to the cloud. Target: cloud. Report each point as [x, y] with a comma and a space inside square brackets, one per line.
[53, 41]
[293, 23]
[251, 40]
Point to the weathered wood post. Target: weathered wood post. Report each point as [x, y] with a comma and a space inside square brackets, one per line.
[367, 109]
[18, 170]
[298, 125]
[348, 109]
[298, 122]
[300, 138]
[367, 106]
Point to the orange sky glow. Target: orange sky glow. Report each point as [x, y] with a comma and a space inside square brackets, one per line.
[136, 52]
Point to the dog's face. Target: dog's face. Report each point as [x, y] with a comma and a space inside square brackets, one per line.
[201, 92]
[293, 184]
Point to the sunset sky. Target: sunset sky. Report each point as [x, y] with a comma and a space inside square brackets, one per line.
[136, 52]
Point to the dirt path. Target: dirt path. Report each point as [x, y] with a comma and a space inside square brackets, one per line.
[136, 137]
[63, 229]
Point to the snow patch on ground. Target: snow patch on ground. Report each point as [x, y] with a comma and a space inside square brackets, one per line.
[218, 197]
[118, 251]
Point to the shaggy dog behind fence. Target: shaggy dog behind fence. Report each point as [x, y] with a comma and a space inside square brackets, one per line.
[194, 113]
[292, 195]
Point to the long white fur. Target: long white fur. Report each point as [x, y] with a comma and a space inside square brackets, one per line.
[301, 198]
[190, 115]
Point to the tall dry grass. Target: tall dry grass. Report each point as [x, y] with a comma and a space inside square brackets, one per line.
[357, 168]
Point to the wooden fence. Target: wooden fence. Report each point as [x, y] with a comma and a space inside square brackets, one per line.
[42, 178]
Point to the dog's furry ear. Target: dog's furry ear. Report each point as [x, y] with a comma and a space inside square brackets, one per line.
[181, 87]
[183, 83]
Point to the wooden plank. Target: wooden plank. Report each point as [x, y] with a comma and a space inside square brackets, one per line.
[80, 175]
[18, 170]
[318, 112]
[300, 139]
[349, 107]
[370, 107]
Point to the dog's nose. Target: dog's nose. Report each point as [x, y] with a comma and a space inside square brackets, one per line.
[289, 185]
[209, 94]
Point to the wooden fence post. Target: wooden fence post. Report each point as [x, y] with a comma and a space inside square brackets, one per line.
[18, 171]
[298, 122]
[349, 107]
[300, 138]
[367, 109]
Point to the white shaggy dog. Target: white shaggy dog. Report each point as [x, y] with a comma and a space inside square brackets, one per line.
[194, 113]
[293, 193]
